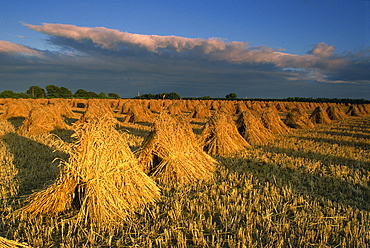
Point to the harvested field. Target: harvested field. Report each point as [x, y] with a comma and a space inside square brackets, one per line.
[308, 187]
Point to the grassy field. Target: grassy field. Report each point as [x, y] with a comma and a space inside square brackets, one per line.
[308, 188]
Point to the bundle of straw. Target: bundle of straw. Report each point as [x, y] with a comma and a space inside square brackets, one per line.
[63, 107]
[102, 178]
[155, 105]
[256, 106]
[190, 104]
[96, 112]
[319, 116]
[6, 127]
[365, 108]
[79, 103]
[271, 120]
[6, 243]
[354, 110]
[297, 119]
[227, 107]
[126, 106]
[139, 113]
[240, 107]
[336, 113]
[42, 119]
[171, 153]
[221, 137]
[250, 126]
[16, 108]
[215, 105]
[201, 111]
[175, 109]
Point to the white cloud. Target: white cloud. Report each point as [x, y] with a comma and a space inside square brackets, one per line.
[99, 56]
[12, 48]
[212, 49]
[112, 39]
[322, 50]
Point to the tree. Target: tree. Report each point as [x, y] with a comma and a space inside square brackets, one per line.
[173, 96]
[80, 93]
[231, 96]
[92, 94]
[23, 95]
[102, 95]
[205, 98]
[8, 94]
[36, 92]
[66, 93]
[53, 91]
[113, 95]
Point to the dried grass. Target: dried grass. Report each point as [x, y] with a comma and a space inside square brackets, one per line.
[41, 120]
[240, 107]
[251, 127]
[356, 110]
[297, 119]
[171, 153]
[63, 107]
[190, 104]
[9, 185]
[16, 108]
[96, 112]
[56, 198]
[181, 104]
[6, 243]
[79, 103]
[6, 127]
[336, 113]
[272, 121]
[256, 106]
[201, 111]
[319, 116]
[139, 113]
[365, 108]
[175, 109]
[155, 105]
[215, 105]
[221, 137]
[227, 107]
[101, 177]
[353, 111]
[126, 106]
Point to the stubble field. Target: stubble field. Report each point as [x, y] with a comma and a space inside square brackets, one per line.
[306, 188]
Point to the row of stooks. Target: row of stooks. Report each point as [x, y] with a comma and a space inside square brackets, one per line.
[105, 181]
[197, 108]
[142, 110]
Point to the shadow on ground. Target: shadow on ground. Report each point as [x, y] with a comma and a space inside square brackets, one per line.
[320, 187]
[36, 163]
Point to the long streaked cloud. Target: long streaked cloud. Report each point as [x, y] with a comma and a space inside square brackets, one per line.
[112, 39]
[212, 49]
[11, 48]
[98, 54]
[216, 49]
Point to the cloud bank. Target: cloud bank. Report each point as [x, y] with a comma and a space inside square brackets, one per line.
[98, 58]
[11, 48]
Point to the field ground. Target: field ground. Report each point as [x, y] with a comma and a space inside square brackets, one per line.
[309, 188]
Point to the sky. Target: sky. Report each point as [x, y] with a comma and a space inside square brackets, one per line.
[256, 49]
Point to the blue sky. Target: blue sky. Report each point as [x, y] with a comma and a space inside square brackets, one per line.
[265, 48]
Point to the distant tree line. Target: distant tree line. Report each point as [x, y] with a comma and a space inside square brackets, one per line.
[330, 100]
[176, 96]
[52, 91]
[172, 96]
